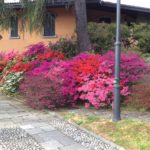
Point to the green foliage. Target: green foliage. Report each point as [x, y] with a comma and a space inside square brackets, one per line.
[12, 82]
[147, 57]
[6, 13]
[66, 45]
[33, 12]
[9, 65]
[135, 37]
[102, 36]
[141, 33]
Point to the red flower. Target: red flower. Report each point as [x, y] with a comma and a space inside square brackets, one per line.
[51, 54]
[20, 67]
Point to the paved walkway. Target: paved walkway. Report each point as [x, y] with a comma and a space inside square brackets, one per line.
[22, 128]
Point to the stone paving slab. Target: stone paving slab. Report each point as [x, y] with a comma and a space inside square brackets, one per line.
[47, 129]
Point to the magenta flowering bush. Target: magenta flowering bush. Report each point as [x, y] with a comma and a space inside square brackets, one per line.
[87, 77]
[91, 80]
[91, 77]
[35, 49]
[133, 67]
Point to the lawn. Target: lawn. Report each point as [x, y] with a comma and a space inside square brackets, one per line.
[131, 134]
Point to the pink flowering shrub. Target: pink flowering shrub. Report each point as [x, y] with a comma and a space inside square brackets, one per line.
[93, 77]
[94, 82]
[11, 55]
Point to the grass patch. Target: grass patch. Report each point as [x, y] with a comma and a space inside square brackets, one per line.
[130, 133]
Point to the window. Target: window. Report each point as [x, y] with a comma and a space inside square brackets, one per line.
[49, 25]
[105, 20]
[14, 27]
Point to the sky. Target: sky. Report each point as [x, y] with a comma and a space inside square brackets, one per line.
[140, 3]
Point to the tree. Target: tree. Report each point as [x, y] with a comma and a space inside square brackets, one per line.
[81, 26]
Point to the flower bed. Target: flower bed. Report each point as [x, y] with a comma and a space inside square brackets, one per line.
[58, 82]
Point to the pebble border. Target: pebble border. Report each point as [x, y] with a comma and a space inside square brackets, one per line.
[82, 136]
[17, 139]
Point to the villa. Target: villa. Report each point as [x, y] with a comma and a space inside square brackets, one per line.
[60, 22]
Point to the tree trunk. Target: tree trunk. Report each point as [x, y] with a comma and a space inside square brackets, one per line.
[81, 26]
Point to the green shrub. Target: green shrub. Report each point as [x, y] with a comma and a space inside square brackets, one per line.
[11, 82]
[141, 32]
[147, 57]
[67, 45]
[102, 36]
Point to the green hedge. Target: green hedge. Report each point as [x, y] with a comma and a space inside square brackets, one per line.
[135, 37]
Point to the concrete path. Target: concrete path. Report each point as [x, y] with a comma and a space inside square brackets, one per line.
[14, 115]
[22, 128]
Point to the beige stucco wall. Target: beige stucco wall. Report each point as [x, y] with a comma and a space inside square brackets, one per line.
[65, 27]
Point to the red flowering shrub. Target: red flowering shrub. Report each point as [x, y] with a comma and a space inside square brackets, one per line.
[140, 95]
[50, 55]
[20, 67]
[41, 52]
[86, 64]
[3, 63]
[44, 90]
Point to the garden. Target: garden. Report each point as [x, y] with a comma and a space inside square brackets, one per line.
[64, 78]
[58, 81]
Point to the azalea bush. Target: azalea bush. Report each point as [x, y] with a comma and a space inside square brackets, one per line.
[58, 82]
[26, 61]
[44, 90]
[133, 67]
[140, 95]
[93, 76]
[5, 58]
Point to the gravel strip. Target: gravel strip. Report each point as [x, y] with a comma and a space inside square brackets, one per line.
[83, 136]
[17, 139]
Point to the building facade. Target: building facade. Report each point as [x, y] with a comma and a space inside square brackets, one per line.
[60, 22]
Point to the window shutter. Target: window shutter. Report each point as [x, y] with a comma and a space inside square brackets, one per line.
[14, 26]
[49, 25]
